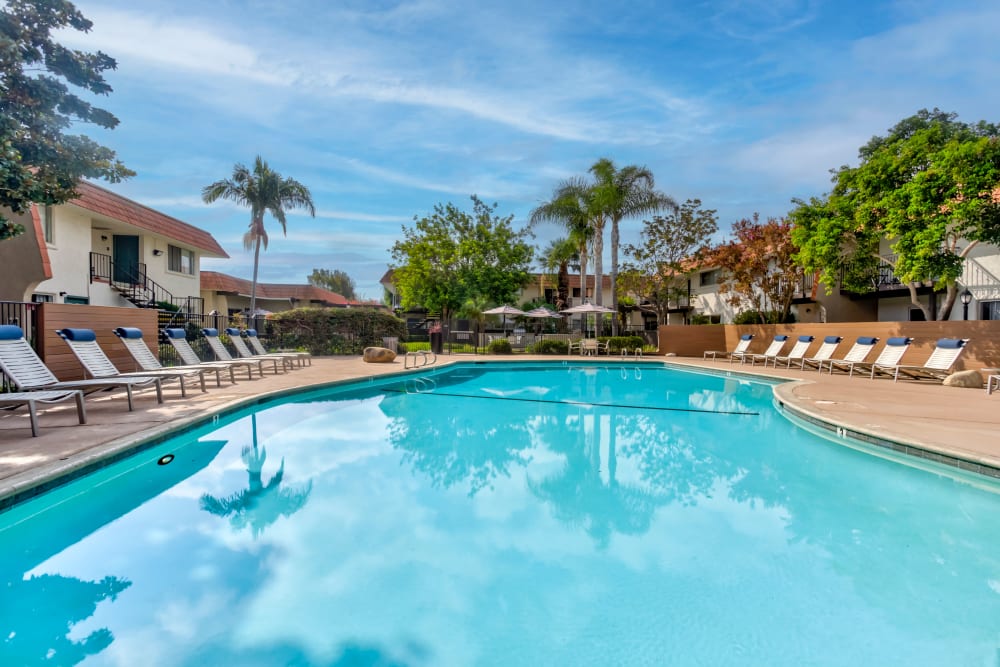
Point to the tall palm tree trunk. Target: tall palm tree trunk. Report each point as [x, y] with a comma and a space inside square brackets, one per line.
[614, 276]
[599, 264]
[253, 285]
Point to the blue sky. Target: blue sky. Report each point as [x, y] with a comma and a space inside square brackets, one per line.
[384, 109]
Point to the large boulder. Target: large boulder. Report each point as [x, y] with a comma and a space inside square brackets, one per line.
[379, 355]
[968, 379]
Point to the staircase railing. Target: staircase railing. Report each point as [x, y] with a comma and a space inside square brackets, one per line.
[137, 287]
[979, 280]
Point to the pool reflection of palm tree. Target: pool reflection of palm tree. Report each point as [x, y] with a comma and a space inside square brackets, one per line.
[260, 504]
[38, 614]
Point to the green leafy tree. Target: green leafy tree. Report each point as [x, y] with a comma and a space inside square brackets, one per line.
[759, 267]
[38, 162]
[930, 189]
[668, 247]
[618, 194]
[336, 281]
[450, 256]
[263, 191]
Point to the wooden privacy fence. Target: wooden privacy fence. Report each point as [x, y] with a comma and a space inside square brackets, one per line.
[103, 320]
[983, 349]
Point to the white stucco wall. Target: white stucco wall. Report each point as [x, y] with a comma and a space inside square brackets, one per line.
[69, 254]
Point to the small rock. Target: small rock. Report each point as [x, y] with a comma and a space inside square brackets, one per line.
[969, 379]
[379, 355]
[670, 354]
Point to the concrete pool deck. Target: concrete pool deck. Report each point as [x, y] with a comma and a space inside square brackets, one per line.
[963, 424]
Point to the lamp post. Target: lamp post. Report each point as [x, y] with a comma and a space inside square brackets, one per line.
[966, 297]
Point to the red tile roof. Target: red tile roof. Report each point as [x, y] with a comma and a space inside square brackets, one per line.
[213, 281]
[105, 202]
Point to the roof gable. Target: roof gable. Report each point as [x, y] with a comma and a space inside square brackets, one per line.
[104, 202]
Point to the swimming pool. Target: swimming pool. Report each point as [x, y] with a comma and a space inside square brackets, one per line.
[545, 515]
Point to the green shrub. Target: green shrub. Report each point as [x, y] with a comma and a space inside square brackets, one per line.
[335, 330]
[699, 318]
[770, 317]
[501, 346]
[617, 343]
[549, 347]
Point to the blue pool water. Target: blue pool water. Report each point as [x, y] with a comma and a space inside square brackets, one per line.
[549, 515]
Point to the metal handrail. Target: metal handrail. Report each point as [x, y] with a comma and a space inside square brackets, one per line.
[418, 354]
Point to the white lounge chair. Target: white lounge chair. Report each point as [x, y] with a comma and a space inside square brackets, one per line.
[21, 364]
[305, 358]
[222, 354]
[738, 351]
[15, 399]
[825, 351]
[287, 361]
[797, 353]
[177, 338]
[83, 343]
[992, 381]
[937, 367]
[890, 355]
[862, 347]
[131, 337]
[772, 351]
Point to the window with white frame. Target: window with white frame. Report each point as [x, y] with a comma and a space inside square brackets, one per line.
[48, 224]
[990, 310]
[709, 277]
[180, 260]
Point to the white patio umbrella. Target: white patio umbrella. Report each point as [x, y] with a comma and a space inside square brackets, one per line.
[542, 311]
[505, 310]
[586, 309]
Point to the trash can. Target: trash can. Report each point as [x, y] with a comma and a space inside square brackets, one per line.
[437, 342]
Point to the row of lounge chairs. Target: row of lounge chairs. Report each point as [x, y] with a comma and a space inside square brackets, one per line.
[37, 385]
[937, 367]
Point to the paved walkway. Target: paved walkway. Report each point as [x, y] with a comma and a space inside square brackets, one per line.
[964, 423]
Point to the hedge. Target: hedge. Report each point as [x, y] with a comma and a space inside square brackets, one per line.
[324, 331]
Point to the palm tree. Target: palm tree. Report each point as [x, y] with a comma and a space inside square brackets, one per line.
[263, 190]
[556, 258]
[623, 193]
[571, 207]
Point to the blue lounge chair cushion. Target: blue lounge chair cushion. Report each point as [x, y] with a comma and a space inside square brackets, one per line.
[128, 332]
[79, 335]
[233, 331]
[951, 343]
[781, 337]
[898, 340]
[175, 333]
[251, 332]
[746, 337]
[834, 339]
[867, 340]
[210, 332]
[10, 332]
[805, 339]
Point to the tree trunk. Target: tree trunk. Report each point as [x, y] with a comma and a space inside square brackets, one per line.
[253, 285]
[599, 264]
[929, 315]
[614, 277]
[583, 271]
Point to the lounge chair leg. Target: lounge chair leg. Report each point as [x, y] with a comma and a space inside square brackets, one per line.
[183, 388]
[81, 410]
[201, 377]
[159, 391]
[33, 416]
[128, 390]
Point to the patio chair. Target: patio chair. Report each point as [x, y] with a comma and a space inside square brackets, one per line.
[824, 352]
[305, 358]
[992, 381]
[15, 399]
[890, 355]
[222, 354]
[797, 353]
[131, 338]
[738, 351]
[83, 343]
[771, 352]
[178, 340]
[287, 362]
[21, 364]
[857, 354]
[937, 367]
[574, 345]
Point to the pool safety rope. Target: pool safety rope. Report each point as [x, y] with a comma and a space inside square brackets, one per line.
[578, 403]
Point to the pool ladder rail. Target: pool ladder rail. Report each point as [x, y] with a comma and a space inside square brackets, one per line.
[637, 353]
[426, 358]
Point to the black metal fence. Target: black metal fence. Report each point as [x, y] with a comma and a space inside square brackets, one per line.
[193, 323]
[24, 315]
